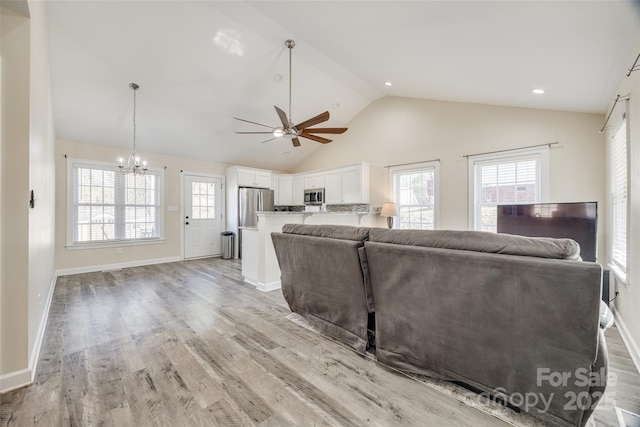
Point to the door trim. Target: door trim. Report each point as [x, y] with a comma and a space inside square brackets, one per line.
[222, 204]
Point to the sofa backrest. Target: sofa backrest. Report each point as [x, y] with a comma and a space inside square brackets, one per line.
[480, 241]
[321, 272]
[342, 232]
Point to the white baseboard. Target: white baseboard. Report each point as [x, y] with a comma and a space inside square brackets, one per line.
[268, 287]
[35, 352]
[264, 287]
[105, 267]
[632, 346]
[24, 377]
[14, 380]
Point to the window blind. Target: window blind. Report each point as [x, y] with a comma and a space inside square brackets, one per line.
[415, 195]
[108, 206]
[619, 195]
[504, 180]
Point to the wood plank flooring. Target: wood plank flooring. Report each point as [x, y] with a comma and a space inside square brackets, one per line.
[189, 343]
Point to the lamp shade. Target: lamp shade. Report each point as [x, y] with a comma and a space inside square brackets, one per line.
[389, 209]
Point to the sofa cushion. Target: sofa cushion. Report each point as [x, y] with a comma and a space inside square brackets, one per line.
[342, 232]
[480, 241]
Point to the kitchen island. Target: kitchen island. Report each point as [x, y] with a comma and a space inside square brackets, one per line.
[259, 263]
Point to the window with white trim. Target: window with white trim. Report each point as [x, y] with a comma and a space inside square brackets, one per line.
[519, 176]
[106, 206]
[619, 199]
[415, 191]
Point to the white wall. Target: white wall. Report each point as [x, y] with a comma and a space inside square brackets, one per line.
[396, 130]
[91, 259]
[14, 271]
[41, 179]
[28, 235]
[627, 304]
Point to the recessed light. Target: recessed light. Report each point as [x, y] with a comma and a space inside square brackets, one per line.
[277, 78]
[336, 105]
[388, 84]
[286, 153]
[538, 91]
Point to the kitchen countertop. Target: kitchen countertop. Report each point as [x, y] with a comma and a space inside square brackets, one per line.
[314, 213]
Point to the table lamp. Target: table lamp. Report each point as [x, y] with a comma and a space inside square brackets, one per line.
[389, 210]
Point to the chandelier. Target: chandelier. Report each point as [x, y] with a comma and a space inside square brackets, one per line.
[134, 165]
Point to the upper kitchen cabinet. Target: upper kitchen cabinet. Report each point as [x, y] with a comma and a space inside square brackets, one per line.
[314, 180]
[347, 185]
[254, 178]
[355, 184]
[333, 187]
[283, 188]
[298, 190]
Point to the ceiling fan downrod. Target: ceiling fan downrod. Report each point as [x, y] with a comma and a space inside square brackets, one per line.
[290, 44]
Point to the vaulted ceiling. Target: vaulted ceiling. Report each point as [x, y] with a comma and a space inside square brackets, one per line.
[201, 63]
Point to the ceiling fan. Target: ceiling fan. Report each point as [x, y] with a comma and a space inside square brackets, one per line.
[293, 131]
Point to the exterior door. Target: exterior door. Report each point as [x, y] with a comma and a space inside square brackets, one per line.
[202, 222]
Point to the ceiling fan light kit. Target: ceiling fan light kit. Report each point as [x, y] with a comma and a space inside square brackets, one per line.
[301, 130]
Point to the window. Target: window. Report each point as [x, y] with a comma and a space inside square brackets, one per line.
[619, 197]
[519, 176]
[203, 200]
[106, 206]
[415, 190]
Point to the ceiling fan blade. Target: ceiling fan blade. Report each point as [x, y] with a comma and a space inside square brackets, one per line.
[326, 130]
[323, 117]
[249, 121]
[255, 132]
[283, 118]
[315, 138]
[295, 142]
[268, 140]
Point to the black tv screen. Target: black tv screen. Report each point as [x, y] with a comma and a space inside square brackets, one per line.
[577, 221]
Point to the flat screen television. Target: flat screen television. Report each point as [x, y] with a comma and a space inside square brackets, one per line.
[577, 221]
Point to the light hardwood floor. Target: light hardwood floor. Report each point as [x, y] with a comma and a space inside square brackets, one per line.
[189, 343]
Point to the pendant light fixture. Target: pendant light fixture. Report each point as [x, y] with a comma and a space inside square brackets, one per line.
[134, 165]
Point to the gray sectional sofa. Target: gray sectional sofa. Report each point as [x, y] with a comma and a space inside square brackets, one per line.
[511, 316]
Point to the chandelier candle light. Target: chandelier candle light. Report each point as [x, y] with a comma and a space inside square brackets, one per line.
[134, 165]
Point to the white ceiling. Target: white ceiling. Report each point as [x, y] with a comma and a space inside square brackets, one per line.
[199, 64]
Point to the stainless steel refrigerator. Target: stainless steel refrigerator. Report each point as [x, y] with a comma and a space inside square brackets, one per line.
[250, 201]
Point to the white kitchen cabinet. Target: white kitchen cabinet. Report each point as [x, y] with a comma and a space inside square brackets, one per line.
[254, 178]
[348, 185]
[353, 184]
[274, 187]
[314, 180]
[298, 190]
[284, 190]
[333, 187]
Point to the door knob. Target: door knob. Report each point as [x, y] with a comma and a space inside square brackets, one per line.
[187, 223]
[187, 217]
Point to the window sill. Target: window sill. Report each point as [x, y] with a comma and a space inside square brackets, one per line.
[621, 276]
[114, 244]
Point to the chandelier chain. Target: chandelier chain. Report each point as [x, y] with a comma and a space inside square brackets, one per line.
[134, 120]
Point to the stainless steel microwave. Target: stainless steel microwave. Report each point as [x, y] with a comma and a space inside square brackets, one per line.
[314, 196]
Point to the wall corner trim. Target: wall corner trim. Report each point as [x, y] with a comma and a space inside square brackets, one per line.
[632, 346]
